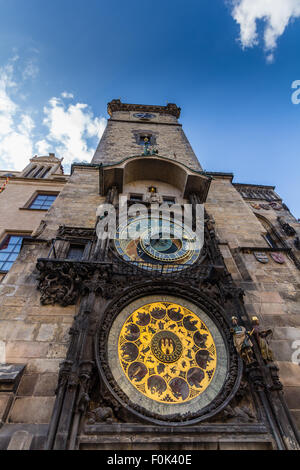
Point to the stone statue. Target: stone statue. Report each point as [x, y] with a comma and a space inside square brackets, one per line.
[263, 337]
[242, 341]
[103, 414]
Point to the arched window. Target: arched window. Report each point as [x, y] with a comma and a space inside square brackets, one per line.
[31, 171]
[38, 173]
[272, 237]
[46, 172]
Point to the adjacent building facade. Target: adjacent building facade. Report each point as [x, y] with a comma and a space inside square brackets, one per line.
[150, 341]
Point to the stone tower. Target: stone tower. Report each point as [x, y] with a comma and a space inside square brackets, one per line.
[151, 341]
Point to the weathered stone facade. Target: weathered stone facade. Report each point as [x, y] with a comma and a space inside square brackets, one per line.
[40, 329]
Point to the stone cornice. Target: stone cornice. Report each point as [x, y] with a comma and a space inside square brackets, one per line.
[219, 174]
[253, 186]
[37, 181]
[152, 122]
[117, 105]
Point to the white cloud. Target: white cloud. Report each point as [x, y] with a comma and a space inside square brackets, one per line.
[15, 127]
[67, 95]
[72, 131]
[276, 15]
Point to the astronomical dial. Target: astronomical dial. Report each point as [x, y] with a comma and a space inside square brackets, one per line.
[155, 241]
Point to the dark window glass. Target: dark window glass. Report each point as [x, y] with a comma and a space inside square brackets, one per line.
[30, 172]
[270, 240]
[38, 173]
[75, 252]
[169, 199]
[136, 197]
[43, 201]
[45, 174]
[9, 250]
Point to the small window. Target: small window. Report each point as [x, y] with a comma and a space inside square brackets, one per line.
[46, 172]
[76, 252]
[31, 171]
[144, 139]
[270, 240]
[9, 250]
[38, 173]
[169, 199]
[136, 197]
[43, 201]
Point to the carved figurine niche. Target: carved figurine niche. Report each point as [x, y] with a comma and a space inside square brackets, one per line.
[242, 341]
[263, 337]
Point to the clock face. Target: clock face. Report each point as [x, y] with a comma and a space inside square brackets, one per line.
[144, 115]
[156, 241]
[167, 353]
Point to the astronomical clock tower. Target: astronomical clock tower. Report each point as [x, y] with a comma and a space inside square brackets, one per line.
[163, 352]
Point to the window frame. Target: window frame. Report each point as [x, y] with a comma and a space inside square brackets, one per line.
[168, 202]
[136, 195]
[77, 244]
[35, 195]
[12, 233]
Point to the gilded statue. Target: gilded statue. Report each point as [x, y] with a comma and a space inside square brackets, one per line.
[263, 337]
[242, 341]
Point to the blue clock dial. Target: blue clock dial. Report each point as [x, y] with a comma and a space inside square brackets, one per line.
[152, 245]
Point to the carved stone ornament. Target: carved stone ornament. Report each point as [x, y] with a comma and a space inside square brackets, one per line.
[77, 232]
[63, 282]
[112, 367]
[266, 207]
[275, 206]
[103, 414]
[255, 206]
[287, 228]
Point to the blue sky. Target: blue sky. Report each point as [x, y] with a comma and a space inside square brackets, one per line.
[228, 64]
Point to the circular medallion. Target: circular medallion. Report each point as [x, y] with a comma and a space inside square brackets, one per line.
[139, 338]
[166, 346]
[172, 356]
[153, 242]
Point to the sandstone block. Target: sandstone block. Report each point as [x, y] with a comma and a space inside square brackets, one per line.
[33, 410]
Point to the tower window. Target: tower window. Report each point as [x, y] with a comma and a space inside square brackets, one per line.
[144, 139]
[9, 250]
[270, 240]
[76, 252]
[136, 197]
[43, 202]
[169, 200]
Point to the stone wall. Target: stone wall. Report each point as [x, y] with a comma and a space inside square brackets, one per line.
[119, 139]
[15, 216]
[30, 333]
[272, 289]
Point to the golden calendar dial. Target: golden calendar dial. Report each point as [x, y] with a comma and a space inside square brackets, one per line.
[167, 352]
